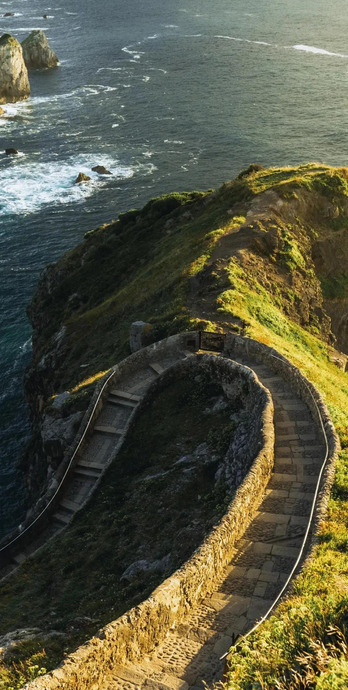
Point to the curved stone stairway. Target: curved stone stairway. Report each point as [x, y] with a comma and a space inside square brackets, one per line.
[104, 441]
[190, 656]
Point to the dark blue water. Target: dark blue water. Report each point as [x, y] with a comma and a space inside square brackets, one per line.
[168, 95]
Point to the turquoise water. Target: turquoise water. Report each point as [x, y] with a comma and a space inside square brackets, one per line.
[168, 95]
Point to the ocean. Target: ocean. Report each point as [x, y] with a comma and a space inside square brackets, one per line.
[169, 95]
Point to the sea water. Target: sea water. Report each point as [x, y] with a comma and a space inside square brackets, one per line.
[167, 94]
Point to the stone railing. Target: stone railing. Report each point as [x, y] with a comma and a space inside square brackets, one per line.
[139, 630]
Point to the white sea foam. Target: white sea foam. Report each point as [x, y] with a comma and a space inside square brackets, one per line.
[73, 134]
[110, 69]
[20, 108]
[157, 69]
[81, 91]
[26, 347]
[136, 54]
[244, 40]
[173, 141]
[27, 187]
[318, 51]
[31, 28]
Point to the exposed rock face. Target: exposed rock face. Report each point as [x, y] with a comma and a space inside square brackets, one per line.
[101, 170]
[37, 52]
[82, 178]
[14, 83]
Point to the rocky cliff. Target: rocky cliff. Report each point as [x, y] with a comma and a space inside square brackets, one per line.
[37, 52]
[14, 83]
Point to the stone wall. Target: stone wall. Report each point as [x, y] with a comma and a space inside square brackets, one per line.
[139, 630]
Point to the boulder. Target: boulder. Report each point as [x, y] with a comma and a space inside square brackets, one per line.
[9, 14]
[11, 152]
[101, 170]
[37, 52]
[14, 83]
[2, 112]
[81, 178]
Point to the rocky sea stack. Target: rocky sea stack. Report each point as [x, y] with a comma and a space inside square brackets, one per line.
[37, 52]
[14, 83]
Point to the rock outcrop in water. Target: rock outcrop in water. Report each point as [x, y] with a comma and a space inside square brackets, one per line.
[14, 83]
[37, 52]
[82, 178]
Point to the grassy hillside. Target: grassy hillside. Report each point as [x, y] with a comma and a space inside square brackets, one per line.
[265, 255]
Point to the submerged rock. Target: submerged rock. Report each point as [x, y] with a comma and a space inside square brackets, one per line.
[14, 83]
[37, 52]
[11, 152]
[81, 178]
[101, 170]
[9, 14]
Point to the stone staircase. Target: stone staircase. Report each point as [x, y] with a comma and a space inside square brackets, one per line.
[190, 656]
[104, 442]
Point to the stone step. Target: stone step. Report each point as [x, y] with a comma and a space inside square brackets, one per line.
[62, 517]
[70, 505]
[149, 675]
[157, 368]
[121, 401]
[282, 477]
[87, 472]
[270, 378]
[125, 395]
[108, 430]
[129, 674]
[137, 389]
[91, 465]
[293, 404]
[272, 517]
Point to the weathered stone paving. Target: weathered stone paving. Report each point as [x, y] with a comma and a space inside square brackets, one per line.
[190, 656]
